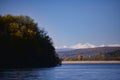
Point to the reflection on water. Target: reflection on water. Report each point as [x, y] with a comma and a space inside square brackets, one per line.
[66, 72]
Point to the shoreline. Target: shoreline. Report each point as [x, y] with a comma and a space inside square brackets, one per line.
[87, 62]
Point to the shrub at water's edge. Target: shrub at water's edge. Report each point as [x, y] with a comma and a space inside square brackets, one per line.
[23, 45]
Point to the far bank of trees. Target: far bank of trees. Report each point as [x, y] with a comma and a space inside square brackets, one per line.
[24, 45]
[78, 58]
[115, 55]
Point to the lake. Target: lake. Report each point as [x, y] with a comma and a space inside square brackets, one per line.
[66, 72]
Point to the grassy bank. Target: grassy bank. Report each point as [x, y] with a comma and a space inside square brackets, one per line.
[86, 62]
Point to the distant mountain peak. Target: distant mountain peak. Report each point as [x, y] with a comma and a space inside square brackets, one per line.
[80, 45]
[86, 45]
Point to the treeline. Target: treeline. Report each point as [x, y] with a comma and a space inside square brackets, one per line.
[24, 45]
[115, 55]
[77, 58]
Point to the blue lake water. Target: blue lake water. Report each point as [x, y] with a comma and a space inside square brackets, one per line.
[66, 72]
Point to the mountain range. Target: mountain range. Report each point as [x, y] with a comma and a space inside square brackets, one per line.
[97, 53]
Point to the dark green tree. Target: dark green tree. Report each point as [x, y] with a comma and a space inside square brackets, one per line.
[24, 45]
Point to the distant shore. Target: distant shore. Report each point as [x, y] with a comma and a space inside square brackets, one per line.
[87, 62]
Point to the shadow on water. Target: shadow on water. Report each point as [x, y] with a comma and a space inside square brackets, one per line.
[27, 74]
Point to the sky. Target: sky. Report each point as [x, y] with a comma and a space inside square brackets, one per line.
[71, 23]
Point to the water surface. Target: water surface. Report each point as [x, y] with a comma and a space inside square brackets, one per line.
[66, 72]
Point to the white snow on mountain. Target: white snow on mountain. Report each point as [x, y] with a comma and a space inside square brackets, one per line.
[86, 45]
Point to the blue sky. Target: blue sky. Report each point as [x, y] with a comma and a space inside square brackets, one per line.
[70, 22]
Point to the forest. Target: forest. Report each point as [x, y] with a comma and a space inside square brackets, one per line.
[25, 45]
[112, 56]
